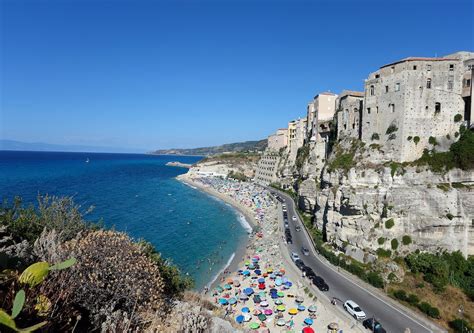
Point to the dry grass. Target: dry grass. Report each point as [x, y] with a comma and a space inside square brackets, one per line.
[447, 302]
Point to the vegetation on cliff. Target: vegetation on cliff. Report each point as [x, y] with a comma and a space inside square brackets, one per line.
[116, 283]
[247, 146]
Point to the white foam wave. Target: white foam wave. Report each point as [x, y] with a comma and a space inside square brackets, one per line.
[243, 221]
[222, 270]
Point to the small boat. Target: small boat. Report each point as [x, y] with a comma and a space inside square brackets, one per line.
[87, 160]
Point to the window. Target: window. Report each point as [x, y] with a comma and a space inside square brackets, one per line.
[397, 86]
[372, 90]
[386, 89]
[428, 68]
[377, 109]
[451, 67]
[392, 107]
[368, 110]
[353, 126]
[377, 76]
[437, 107]
[450, 85]
[414, 68]
[428, 83]
[392, 69]
[468, 83]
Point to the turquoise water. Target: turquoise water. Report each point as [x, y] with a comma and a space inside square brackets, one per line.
[137, 194]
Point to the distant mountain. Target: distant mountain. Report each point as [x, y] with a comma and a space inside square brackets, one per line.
[39, 146]
[205, 151]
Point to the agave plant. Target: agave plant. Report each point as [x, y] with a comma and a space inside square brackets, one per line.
[9, 320]
[36, 273]
[32, 276]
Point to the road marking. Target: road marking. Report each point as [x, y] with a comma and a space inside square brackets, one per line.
[354, 283]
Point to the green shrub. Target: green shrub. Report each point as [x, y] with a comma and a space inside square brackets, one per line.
[342, 161]
[391, 129]
[432, 141]
[375, 136]
[409, 138]
[416, 139]
[389, 223]
[457, 118]
[301, 155]
[450, 216]
[375, 279]
[412, 299]
[392, 277]
[392, 136]
[448, 136]
[381, 240]
[429, 310]
[463, 150]
[460, 326]
[382, 253]
[400, 294]
[394, 244]
[406, 240]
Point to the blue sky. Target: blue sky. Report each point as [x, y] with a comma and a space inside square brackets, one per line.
[161, 74]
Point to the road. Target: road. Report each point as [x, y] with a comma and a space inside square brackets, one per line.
[343, 288]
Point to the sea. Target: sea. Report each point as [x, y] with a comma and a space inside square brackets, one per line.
[137, 194]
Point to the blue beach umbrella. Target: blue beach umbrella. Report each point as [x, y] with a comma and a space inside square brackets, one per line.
[261, 280]
[227, 286]
[232, 300]
[278, 282]
[288, 284]
[258, 272]
[239, 319]
[308, 321]
[300, 307]
[246, 273]
[248, 291]
[245, 310]
[223, 301]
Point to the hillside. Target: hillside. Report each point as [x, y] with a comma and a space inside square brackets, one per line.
[205, 151]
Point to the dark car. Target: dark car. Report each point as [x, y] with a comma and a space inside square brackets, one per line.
[300, 264]
[320, 283]
[373, 325]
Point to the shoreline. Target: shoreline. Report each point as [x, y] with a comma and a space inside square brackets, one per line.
[242, 250]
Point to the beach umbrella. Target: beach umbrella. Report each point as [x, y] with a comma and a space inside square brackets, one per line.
[261, 286]
[307, 329]
[273, 290]
[269, 270]
[230, 281]
[256, 312]
[265, 274]
[293, 311]
[239, 319]
[247, 317]
[219, 289]
[254, 260]
[248, 291]
[299, 299]
[308, 321]
[300, 307]
[223, 301]
[258, 272]
[251, 266]
[288, 284]
[254, 326]
[236, 283]
[262, 295]
[272, 276]
[245, 310]
[256, 257]
[243, 296]
[281, 322]
[278, 282]
[232, 300]
[278, 302]
[227, 286]
[280, 294]
[281, 308]
[247, 263]
[273, 295]
[246, 273]
[312, 308]
[261, 280]
[268, 312]
[262, 317]
[256, 299]
[264, 304]
[333, 326]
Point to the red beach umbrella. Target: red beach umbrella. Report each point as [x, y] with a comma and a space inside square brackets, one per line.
[307, 330]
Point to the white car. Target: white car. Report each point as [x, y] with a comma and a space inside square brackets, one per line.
[295, 256]
[354, 310]
[294, 218]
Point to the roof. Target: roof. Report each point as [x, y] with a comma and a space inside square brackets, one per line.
[351, 93]
[327, 93]
[418, 59]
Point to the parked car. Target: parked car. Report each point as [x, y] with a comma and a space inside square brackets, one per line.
[373, 325]
[295, 256]
[320, 283]
[354, 310]
[294, 218]
[300, 264]
[298, 228]
[304, 250]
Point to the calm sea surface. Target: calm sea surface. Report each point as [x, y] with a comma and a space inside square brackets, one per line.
[137, 194]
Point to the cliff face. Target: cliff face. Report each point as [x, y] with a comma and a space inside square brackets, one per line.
[222, 165]
[369, 208]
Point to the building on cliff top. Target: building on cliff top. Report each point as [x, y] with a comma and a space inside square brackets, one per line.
[320, 109]
[348, 107]
[416, 103]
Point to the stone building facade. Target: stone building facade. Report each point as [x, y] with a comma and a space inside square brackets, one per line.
[296, 137]
[278, 140]
[348, 106]
[321, 108]
[412, 103]
[267, 168]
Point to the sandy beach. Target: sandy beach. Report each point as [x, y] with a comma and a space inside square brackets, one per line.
[261, 290]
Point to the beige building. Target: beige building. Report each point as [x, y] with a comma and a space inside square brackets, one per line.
[349, 104]
[415, 102]
[321, 108]
[267, 167]
[278, 140]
